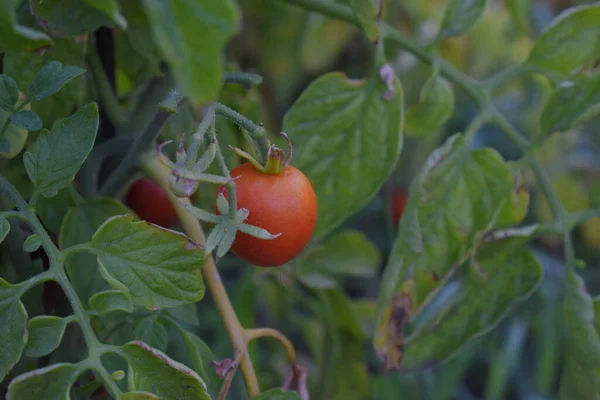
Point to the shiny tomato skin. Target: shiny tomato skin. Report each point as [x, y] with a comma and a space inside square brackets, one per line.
[150, 203]
[280, 203]
[398, 204]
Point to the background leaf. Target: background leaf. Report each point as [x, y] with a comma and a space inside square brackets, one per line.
[13, 333]
[571, 103]
[571, 41]
[349, 253]
[64, 18]
[53, 382]
[436, 103]
[15, 37]
[511, 274]
[56, 156]
[9, 92]
[436, 231]
[15, 135]
[50, 79]
[191, 36]
[460, 16]
[160, 268]
[111, 9]
[154, 372]
[338, 126]
[27, 119]
[108, 301]
[153, 332]
[368, 14]
[579, 379]
[45, 334]
[78, 226]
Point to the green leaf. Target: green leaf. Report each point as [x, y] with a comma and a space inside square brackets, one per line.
[340, 313]
[50, 79]
[13, 332]
[135, 55]
[572, 40]
[14, 135]
[159, 267]
[460, 16]
[190, 350]
[153, 371]
[519, 11]
[108, 301]
[140, 396]
[69, 17]
[186, 313]
[32, 243]
[152, 332]
[4, 228]
[53, 382]
[45, 334]
[349, 253]
[572, 103]
[78, 227]
[56, 156]
[436, 104]
[579, 379]
[9, 92]
[368, 13]
[338, 127]
[15, 37]
[111, 9]
[454, 201]
[24, 66]
[27, 119]
[52, 211]
[277, 394]
[511, 274]
[191, 36]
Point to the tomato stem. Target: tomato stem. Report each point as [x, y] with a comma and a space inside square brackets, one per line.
[256, 333]
[156, 169]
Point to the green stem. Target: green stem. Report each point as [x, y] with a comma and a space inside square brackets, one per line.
[90, 171]
[231, 192]
[247, 79]
[140, 144]
[257, 132]
[108, 99]
[192, 153]
[57, 272]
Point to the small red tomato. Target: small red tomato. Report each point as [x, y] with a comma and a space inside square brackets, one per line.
[398, 203]
[150, 203]
[282, 203]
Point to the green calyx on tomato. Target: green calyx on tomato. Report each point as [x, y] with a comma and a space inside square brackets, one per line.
[277, 161]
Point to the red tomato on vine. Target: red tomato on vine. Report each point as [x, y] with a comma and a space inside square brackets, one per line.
[151, 203]
[282, 202]
[398, 204]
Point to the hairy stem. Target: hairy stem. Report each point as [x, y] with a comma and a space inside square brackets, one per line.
[108, 99]
[158, 171]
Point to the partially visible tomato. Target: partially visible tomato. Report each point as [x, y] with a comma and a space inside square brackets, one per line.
[282, 203]
[150, 203]
[398, 204]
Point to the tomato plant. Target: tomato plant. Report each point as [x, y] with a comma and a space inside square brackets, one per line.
[150, 203]
[485, 113]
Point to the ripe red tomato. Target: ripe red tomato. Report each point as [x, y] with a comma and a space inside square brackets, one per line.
[398, 203]
[150, 203]
[280, 203]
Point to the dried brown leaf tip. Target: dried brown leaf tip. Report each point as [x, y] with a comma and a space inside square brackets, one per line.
[392, 354]
[387, 75]
[224, 366]
[296, 381]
